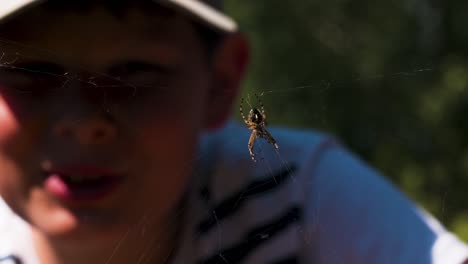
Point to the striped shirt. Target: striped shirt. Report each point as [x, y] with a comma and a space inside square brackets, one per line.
[310, 202]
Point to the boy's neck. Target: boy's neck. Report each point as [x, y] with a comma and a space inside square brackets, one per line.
[141, 244]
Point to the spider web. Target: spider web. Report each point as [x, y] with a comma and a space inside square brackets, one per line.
[270, 97]
[262, 148]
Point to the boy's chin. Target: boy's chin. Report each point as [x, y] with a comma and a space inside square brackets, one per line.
[55, 222]
[63, 224]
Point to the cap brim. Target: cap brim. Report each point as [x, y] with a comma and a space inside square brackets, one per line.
[9, 8]
[193, 8]
[204, 13]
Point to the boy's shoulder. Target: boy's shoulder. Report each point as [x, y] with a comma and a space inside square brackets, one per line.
[15, 238]
[254, 205]
[312, 201]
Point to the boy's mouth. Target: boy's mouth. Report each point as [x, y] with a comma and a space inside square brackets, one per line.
[81, 185]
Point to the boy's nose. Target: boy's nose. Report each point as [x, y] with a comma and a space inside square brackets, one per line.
[86, 132]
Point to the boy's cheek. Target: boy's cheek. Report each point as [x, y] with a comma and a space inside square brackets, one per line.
[7, 120]
[8, 131]
[16, 149]
[12, 148]
[16, 140]
[9, 177]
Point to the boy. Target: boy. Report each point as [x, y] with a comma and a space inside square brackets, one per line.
[114, 149]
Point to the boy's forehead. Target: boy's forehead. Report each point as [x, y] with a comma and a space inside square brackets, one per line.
[97, 36]
[48, 16]
[44, 21]
[151, 22]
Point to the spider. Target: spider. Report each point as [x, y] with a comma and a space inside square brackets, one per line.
[256, 121]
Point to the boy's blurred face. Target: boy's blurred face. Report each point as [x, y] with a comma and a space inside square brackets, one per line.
[82, 153]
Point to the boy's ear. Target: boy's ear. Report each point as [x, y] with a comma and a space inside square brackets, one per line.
[229, 67]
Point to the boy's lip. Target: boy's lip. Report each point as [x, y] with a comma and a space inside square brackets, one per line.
[81, 183]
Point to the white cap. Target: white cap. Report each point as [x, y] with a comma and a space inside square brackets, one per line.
[199, 10]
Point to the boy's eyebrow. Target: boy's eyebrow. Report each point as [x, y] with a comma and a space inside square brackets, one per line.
[135, 66]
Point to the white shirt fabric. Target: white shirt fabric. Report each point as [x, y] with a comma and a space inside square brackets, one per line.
[310, 202]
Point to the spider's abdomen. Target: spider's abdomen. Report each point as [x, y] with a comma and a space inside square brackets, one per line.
[255, 116]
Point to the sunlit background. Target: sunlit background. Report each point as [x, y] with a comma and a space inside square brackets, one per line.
[388, 78]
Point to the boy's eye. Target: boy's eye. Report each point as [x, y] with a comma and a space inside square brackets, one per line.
[29, 82]
[109, 88]
[127, 87]
[130, 87]
[139, 78]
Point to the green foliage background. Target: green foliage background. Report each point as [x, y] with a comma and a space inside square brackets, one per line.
[389, 78]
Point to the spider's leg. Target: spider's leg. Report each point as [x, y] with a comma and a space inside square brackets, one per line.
[241, 110]
[251, 143]
[270, 139]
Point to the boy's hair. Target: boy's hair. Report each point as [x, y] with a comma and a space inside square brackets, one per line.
[210, 38]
